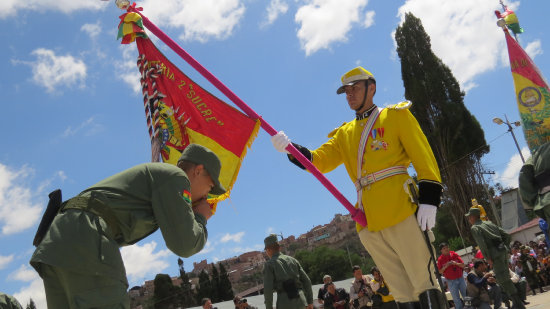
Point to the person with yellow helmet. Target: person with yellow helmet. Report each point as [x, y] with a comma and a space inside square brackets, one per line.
[376, 148]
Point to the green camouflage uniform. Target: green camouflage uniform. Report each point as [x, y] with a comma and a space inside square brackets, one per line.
[79, 258]
[9, 302]
[533, 185]
[279, 269]
[493, 242]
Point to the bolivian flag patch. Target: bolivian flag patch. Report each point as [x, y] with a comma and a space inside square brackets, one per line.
[186, 196]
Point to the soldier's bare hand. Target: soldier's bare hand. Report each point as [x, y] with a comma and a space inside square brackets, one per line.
[202, 207]
[310, 306]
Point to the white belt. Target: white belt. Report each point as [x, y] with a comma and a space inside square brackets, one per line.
[379, 175]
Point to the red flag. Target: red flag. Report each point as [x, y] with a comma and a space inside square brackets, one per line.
[180, 112]
[532, 94]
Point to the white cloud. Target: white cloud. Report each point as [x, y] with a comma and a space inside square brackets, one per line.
[24, 273]
[51, 71]
[5, 260]
[369, 19]
[89, 127]
[534, 49]
[324, 22]
[275, 8]
[18, 211]
[61, 175]
[34, 290]
[93, 30]
[239, 250]
[237, 237]
[127, 70]
[464, 36]
[209, 247]
[200, 20]
[10, 8]
[142, 262]
[509, 177]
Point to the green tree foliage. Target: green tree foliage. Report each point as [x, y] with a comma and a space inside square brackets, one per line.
[165, 292]
[186, 295]
[225, 288]
[454, 134]
[323, 260]
[31, 304]
[215, 296]
[205, 286]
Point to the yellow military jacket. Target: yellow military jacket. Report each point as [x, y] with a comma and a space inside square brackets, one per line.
[395, 140]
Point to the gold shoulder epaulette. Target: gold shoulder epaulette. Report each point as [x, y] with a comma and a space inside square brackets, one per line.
[401, 105]
[331, 134]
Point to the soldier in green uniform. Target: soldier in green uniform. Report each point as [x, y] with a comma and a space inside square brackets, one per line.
[284, 274]
[9, 302]
[493, 242]
[534, 182]
[79, 258]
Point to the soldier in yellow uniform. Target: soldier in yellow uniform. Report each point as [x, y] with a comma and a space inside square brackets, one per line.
[376, 148]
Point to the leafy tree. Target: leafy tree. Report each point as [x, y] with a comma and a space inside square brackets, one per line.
[454, 134]
[31, 304]
[186, 294]
[205, 286]
[165, 292]
[225, 288]
[323, 260]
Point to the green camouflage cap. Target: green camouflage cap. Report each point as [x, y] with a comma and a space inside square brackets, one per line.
[270, 240]
[201, 155]
[473, 211]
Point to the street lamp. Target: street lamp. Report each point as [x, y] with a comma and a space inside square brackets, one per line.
[511, 130]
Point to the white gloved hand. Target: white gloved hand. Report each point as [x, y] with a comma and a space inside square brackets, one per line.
[280, 141]
[426, 216]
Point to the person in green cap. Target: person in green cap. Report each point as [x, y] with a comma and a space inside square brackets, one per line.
[284, 274]
[493, 242]
[9, 302]
[78, 257]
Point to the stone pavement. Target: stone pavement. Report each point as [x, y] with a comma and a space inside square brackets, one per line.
[539, 301]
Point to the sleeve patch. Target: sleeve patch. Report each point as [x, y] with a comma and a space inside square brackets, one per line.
[186, 196]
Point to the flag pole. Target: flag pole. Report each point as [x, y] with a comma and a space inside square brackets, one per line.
[356, 214]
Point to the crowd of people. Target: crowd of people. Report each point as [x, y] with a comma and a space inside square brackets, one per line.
[475, 282]
[366, 292]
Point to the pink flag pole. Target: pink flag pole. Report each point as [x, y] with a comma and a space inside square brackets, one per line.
[356, 214]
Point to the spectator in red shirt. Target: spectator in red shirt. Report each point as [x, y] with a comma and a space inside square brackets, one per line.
[451, 266]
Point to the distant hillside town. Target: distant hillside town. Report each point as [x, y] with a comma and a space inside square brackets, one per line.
[245, 270]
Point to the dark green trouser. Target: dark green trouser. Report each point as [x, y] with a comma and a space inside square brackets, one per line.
[68, 290]
[502, 274]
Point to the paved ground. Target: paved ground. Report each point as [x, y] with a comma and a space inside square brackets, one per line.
[539, 301]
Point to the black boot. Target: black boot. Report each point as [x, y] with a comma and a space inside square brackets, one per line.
[541, 289]
[432, 299]
[517, 303]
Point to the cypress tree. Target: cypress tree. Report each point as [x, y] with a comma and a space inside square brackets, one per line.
[226, 290]
[216, 297]
[186, 294]
[205, 286]
[456, 137]
[31, 304]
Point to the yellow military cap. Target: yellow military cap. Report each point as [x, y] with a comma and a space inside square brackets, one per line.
[353, 76]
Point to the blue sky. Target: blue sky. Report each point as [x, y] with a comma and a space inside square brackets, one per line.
[73, 115]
